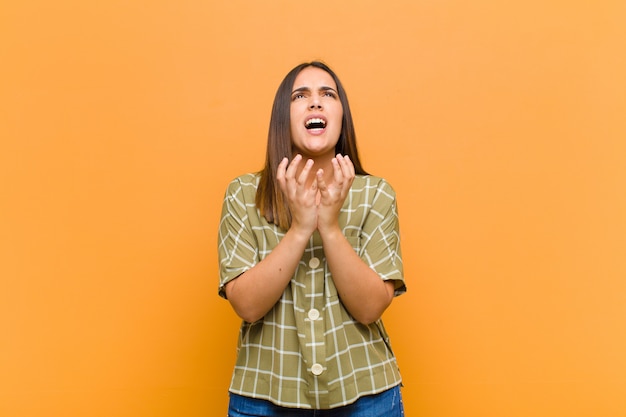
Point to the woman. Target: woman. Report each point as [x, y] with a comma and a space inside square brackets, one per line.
[310, 259]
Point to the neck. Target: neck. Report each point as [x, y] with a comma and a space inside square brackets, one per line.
[323, 162]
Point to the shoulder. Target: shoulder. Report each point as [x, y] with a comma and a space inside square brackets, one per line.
[373, 185]
[250, 179]
[246, 183]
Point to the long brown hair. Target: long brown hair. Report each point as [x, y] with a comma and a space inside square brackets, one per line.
[269, 197]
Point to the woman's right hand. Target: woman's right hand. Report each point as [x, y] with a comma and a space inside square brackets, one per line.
[300, 190]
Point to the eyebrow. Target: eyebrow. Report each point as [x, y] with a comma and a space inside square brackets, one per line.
[305, 89]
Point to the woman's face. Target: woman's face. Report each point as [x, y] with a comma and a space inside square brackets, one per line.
[316, 113]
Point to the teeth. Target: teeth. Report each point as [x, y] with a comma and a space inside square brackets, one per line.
[315, 121]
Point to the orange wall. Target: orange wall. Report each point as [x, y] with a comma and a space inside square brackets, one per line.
[500, 124]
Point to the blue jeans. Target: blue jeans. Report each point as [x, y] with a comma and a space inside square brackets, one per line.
[385, 404]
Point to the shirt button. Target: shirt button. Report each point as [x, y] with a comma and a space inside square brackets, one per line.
[314, 314]
[317, 369]
[314, 263]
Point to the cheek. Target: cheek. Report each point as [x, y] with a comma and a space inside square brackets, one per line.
[339, 113]
[339, 120]
[292, 130]
[292, 119]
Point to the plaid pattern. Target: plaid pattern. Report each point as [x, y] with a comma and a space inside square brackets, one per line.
[308, 352]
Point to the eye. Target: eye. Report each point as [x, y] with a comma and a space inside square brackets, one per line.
[297, 96]
[330, 93]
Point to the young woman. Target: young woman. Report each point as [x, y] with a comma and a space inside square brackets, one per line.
[310, 258]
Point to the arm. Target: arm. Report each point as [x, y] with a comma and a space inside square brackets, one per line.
[362, 291]
[256, 291]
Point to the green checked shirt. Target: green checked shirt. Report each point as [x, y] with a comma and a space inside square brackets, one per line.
[308, 352]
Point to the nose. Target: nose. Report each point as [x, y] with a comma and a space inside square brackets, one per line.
[315, 103]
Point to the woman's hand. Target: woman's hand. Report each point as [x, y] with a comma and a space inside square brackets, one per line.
[361, 290]
[313, 202]
[333, 195]
[300, 193]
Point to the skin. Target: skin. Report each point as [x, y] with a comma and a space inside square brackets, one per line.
[316, 184]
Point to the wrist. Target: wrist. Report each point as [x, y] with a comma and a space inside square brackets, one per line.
[298, 236]
[331, 234]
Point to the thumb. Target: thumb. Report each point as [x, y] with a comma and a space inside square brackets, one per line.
[319, 180]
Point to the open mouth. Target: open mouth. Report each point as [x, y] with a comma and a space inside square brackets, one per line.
[315, 123]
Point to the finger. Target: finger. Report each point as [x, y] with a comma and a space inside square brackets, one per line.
[293, 167]
[345, 165]
[304, 175]
[282, 166]
[280, 172]
[350, 166]
[321, 184]
[338, 173]
[347, 168]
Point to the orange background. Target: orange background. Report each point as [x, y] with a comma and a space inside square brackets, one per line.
[500, 124]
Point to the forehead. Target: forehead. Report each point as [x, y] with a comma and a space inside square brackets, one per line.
[313, 77]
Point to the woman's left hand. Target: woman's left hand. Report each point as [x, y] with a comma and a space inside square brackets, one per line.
[332, 196]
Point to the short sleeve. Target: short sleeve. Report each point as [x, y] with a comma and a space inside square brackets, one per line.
[380, 237]
[236, 243]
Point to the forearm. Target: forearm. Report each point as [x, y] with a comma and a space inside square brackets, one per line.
[257, 290]
[364, 294]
